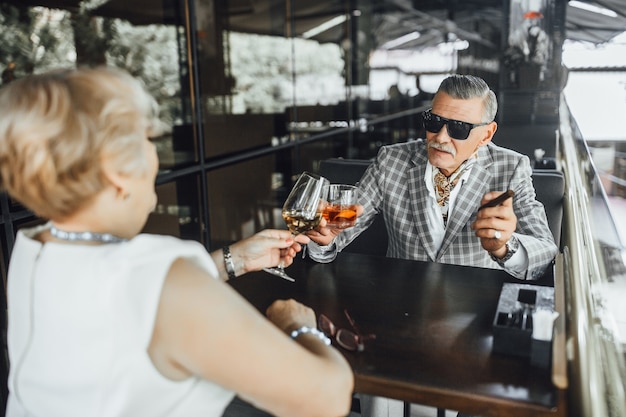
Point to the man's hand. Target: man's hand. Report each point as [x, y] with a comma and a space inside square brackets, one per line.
[495, 225]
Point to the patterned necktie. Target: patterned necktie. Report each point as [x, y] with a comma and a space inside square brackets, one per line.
[444, 185]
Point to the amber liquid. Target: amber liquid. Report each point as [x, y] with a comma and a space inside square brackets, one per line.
[340, 217]
[298, 223]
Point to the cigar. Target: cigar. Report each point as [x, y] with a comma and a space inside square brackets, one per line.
[498, 200]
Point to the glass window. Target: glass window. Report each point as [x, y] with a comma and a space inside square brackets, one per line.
[225, 95]
[36, 39]
[178, 210]
[242, 200]
[3, 265]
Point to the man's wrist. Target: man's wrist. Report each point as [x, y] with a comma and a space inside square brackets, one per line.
[510, 248]
[499, 253]
[326, 247]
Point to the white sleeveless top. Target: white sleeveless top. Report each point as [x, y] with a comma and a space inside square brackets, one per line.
[80, 322]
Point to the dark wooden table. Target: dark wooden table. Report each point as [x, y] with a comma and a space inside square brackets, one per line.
[433, 326]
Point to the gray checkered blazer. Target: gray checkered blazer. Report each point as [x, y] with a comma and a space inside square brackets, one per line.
[394, 185]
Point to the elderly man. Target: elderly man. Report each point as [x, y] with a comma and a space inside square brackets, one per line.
[430, 192]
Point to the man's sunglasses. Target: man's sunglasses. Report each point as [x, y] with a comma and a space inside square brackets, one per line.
[456, 129]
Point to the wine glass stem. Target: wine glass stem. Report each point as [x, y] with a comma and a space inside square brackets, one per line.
[303, 248]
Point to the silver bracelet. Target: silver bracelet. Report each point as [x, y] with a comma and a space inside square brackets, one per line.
[228, 262]
[310, 330]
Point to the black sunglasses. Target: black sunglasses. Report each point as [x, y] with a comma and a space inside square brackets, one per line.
[349, 340]
[456, 129]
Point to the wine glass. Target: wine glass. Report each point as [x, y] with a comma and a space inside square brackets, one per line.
[302, 211]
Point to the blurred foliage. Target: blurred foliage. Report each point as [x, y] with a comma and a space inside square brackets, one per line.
[267, 69]
[151, 53]
[37, 39]
[269, 73]
[33, 39]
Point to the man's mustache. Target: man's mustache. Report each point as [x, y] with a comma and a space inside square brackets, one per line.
[441, 147]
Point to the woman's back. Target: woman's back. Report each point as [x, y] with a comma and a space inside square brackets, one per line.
[93, 309]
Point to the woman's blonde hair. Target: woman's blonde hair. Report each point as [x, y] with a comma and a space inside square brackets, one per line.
[57, 128]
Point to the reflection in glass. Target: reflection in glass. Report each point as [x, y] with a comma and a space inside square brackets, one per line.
[242, 200]
[178, 210]
[3, 269]
[595, 275]
[37, 39]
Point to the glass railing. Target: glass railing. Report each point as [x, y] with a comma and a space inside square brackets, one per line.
[595, 283]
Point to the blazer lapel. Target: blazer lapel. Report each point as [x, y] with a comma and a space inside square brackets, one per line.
[419, 197]
[468, 200]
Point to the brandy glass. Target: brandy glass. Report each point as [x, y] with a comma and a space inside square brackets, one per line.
[302, 210]
[341, 210]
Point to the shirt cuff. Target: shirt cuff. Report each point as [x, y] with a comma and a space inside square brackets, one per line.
[518, 264]
[323, 254]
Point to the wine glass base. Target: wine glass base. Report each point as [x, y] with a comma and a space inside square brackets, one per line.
[279, 272]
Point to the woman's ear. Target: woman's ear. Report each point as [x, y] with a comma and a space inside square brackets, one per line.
[118, 182]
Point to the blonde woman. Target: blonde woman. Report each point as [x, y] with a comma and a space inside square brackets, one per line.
[104, 321]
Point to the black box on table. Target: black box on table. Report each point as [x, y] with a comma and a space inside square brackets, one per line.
[513, 324]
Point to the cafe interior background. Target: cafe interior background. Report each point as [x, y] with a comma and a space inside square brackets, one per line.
[255, 92]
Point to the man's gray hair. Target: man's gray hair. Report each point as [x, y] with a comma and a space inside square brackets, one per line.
[466, 87]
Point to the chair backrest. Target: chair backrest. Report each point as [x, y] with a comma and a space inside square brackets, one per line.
[374, 240]
[525, 139]
[550, 188]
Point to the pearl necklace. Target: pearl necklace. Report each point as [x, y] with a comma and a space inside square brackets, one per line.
[85, 236]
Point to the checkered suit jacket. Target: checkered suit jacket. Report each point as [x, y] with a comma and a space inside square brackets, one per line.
[394, 185]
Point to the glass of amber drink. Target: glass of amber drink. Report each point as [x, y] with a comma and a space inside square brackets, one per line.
[340, 212]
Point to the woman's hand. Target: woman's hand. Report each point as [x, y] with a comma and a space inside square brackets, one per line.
[288, 315]
[266, 249]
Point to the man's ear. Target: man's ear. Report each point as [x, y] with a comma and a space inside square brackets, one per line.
[490, 130]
